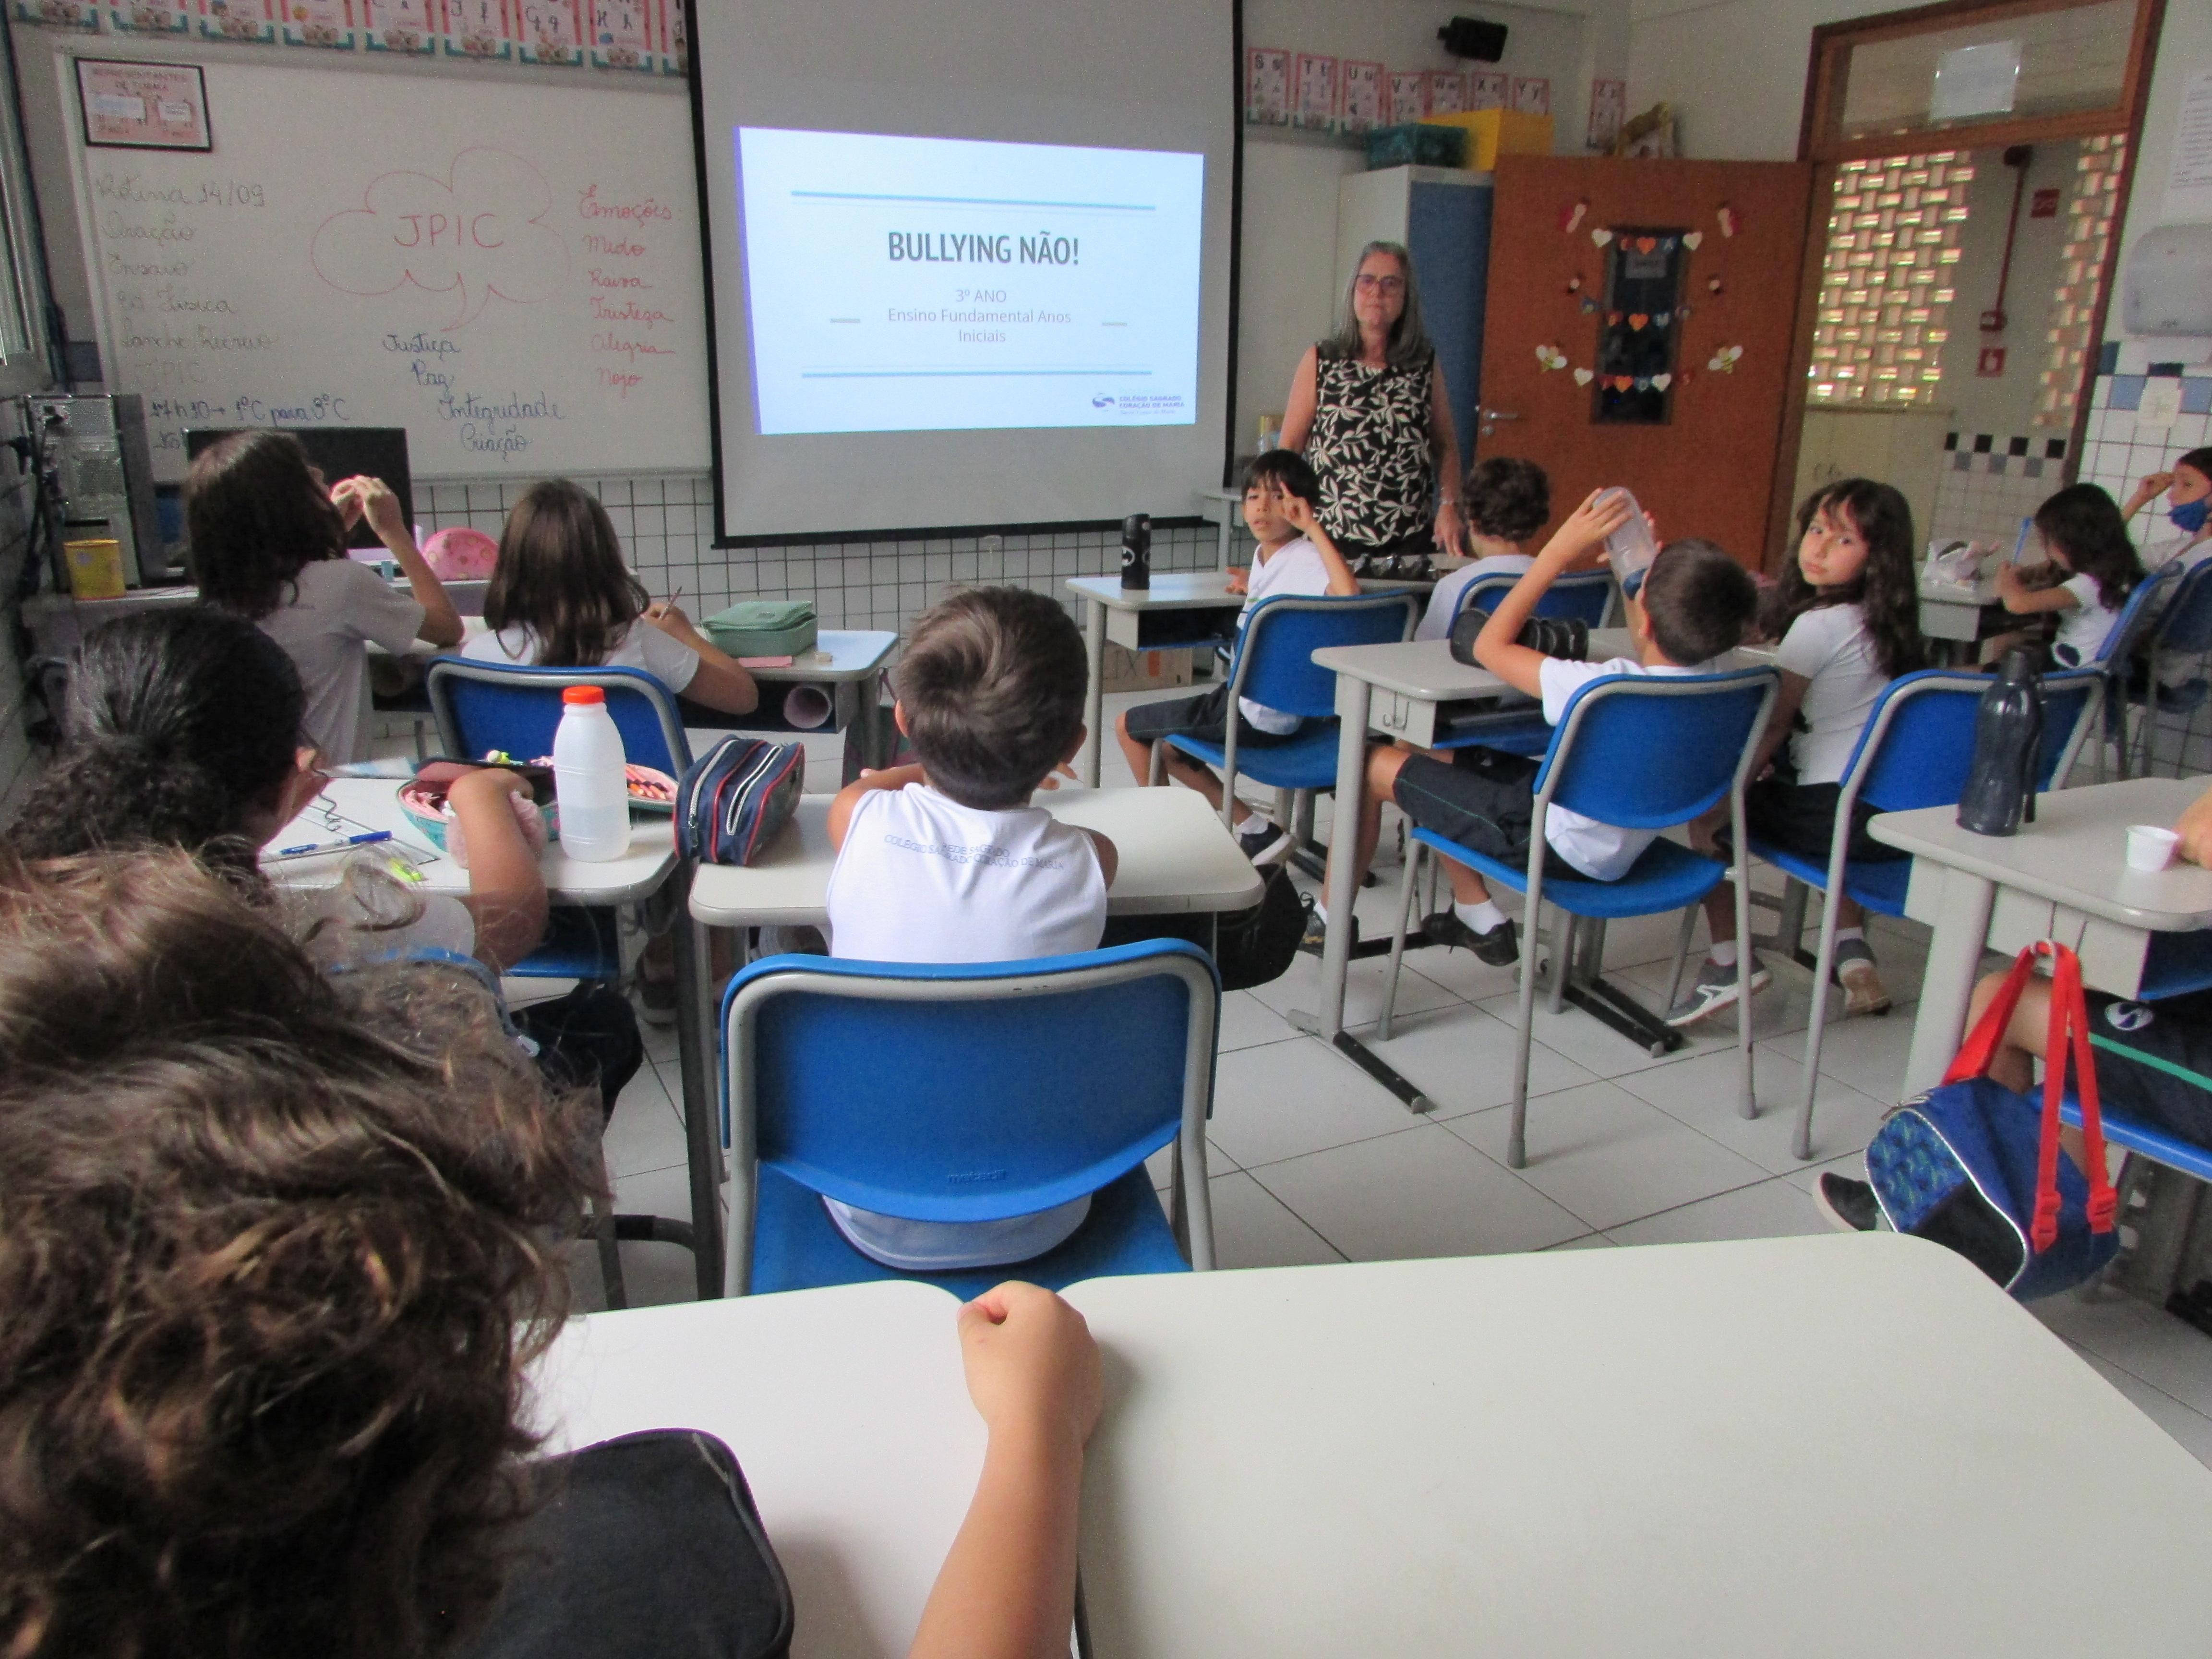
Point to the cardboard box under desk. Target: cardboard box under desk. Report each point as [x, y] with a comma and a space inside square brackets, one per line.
[1124, 670]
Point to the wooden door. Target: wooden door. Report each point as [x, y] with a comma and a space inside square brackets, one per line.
[1638, 331]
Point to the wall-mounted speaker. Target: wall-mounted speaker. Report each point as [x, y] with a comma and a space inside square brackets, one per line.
[1470, 37]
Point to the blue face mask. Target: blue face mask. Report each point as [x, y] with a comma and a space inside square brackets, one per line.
[2189, 518]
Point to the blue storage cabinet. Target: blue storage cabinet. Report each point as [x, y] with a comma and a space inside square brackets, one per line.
[1443, 216]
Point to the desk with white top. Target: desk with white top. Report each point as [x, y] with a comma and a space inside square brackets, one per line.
[373, 804]
[2063, 876]
[1182, 611]
[1173, 859]
[1819, 1446]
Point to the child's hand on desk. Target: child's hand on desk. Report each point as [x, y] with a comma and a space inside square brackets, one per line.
[1032, 1368]
[1240, 579]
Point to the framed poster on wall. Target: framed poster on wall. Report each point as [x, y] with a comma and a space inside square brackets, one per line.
[144, 106]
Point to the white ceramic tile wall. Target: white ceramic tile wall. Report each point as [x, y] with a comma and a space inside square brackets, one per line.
[1984, 497]
[666, 525]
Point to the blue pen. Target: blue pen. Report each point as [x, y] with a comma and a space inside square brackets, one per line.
[363, 839]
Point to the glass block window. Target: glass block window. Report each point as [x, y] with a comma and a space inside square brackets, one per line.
[1885, 282]
[2089, 205]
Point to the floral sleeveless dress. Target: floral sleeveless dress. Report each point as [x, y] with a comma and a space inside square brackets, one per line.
[1370, 445]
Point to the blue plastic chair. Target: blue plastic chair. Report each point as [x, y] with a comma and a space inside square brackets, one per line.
[1273, 664]
[481, 706]
[1639, 751]
[2182, 630]
[2142, 1140]
[1915, 750]
[1586, 596]
[948, 1094]
[2115, 658]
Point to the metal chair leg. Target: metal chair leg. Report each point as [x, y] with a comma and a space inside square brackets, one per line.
[1516, 1132]
[1823, 964]
[1398, 940]
[1157, 773]
[603, 1229]
[1564, 928]
[1682, 938]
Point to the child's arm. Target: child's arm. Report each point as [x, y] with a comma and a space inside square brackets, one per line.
[719, 682]
[441, 623]
[1341, 582]
[506, 892]
[1007, 1588]
[2022, 600]
[2154, 485]
[840, 809]
[1110, 858]
[1498, 647]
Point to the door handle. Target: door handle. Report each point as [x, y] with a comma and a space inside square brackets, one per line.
[1490, 417]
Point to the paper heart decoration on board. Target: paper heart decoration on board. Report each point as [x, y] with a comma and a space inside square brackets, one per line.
[1646, 244]
[1583, 377]
[1692, 240]
[1622, 382]
[1550, 356]
[1612, 319]
[1637, 318]
[1589, 304]
[1644, 383]
[1662, 381]
[1662, 318]
[1726, 215]
[1601, 237]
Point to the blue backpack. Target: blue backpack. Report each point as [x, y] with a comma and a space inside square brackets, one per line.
[1969, 1166]
[736, 798]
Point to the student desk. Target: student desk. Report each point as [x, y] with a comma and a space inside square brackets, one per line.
[1175, 859]
[1182, 611]
[1819, 1446]
[373, 803]
[845, 663]
[1414, 692]
[2065, 875]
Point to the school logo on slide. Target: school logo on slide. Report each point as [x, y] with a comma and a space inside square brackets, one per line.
[1104, 400]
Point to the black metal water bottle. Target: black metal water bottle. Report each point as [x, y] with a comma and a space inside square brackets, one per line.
[1137, 551]
[2007, 742]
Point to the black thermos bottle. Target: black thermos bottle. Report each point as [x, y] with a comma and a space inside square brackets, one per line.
[2008, 743]
[1137, 551]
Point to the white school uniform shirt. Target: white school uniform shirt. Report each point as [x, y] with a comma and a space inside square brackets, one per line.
[1831, 646]
[1295, 567]
[1603, 851]
[336, 608]
[2082, 629]
[922, 879]
[1436, 620]
[641, 646]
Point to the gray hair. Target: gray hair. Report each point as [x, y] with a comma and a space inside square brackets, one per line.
[1409, 341]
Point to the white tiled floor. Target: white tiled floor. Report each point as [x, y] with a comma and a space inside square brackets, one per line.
[1312, 1162]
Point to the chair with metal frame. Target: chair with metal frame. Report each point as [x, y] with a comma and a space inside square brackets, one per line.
[2115, 658]
[1586, 596]
[2183, 631]
[1916, 749]
[480, 706]
[939, 1093]
[1637, 752]
[1273, 666]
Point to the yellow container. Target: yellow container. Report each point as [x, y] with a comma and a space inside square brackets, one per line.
[1492, 133]
[95, 569]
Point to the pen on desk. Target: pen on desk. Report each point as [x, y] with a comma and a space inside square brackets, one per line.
[309, 850]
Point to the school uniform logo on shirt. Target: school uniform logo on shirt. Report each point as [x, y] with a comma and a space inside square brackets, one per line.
[990, 856]
[2129, 1016]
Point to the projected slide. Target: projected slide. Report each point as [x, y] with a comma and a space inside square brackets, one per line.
[941, 284]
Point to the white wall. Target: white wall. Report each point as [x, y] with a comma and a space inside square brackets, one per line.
[1734, 69]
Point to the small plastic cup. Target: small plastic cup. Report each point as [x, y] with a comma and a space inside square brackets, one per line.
[2150, 847]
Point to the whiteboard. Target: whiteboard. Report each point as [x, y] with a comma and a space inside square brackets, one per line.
[509, 271]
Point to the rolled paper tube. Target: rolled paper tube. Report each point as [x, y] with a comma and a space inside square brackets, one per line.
[807, 707]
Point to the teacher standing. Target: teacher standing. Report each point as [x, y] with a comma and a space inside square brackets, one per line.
[1367, 407]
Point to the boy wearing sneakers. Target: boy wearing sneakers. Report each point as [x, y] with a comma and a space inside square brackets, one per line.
[1693, 606]
[946, 861]
[1295, 556]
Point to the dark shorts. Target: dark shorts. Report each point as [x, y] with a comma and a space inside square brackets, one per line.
[2154, 1061]
[1480, 799]
[585, 1039]
[1800, 818]
[1204, 717]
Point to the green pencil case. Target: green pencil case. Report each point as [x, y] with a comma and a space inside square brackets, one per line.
[764, 628]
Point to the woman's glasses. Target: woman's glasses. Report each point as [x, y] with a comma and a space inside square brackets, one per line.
[1370, 283]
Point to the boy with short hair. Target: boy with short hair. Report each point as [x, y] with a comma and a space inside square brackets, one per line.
[946, 861]
[1693, 606]
[1295, 556]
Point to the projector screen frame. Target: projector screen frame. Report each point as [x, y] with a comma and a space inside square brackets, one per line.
[695, 86]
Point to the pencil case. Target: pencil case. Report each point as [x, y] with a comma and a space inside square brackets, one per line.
[764, 628]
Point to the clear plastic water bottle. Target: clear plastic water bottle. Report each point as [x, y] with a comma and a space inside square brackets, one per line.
[1631, 549]
[589, 778]
[2007, 742]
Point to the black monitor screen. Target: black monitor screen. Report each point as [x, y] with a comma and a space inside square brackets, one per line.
[342, 451]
